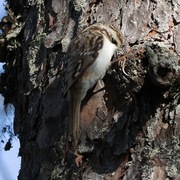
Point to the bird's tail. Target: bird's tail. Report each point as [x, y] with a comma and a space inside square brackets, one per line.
[73, 122]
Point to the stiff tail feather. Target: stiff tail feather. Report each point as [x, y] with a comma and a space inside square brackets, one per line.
[73, 122]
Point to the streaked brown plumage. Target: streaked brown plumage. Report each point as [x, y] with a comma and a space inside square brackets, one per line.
[88, 58]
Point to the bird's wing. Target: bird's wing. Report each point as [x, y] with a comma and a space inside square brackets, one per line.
[82, 52]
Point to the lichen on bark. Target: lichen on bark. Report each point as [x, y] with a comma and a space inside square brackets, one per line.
[130, 130]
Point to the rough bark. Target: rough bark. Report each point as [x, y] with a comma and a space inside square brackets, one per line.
[130, 130]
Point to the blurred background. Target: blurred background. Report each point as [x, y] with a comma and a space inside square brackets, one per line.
[9, 144]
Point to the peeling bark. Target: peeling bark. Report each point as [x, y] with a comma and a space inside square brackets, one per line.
[131, 128]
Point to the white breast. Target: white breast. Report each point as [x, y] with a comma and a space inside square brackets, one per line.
[103, 60]
[98, 69]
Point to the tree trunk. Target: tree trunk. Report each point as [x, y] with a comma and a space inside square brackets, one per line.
[129, 130]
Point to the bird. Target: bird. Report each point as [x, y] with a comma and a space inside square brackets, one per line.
[88, 58]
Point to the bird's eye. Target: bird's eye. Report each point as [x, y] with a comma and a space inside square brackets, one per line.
[114, 41]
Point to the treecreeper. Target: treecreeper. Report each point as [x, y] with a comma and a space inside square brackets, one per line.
[88, 58]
